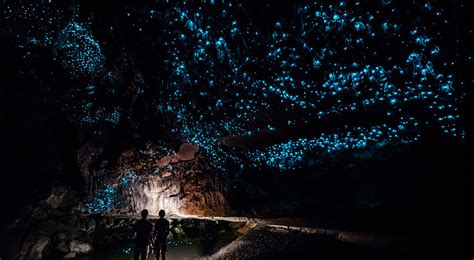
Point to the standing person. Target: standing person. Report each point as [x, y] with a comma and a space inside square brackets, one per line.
[144, 234]
[162, 228]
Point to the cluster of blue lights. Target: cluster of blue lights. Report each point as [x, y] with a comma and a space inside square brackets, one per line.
[92, 115]
[43, 21]
[290, 155]
[72, 44]
[330, 62]
[225, 76]
[103, 201]
[111, 197]
[78, 51]
[127, 251]
[128, 178]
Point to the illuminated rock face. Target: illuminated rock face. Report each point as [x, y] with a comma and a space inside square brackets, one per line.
[191, 193]
[154, 178]
[153, 193]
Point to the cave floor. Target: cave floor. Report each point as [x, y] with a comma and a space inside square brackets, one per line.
[124, 250]
[290, 238]
[311, 227]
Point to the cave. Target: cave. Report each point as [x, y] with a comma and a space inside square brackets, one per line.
[264, 129]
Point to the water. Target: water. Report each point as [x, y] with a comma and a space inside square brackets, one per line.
[124, 250]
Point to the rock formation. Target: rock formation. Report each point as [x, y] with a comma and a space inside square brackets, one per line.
[151, 177]
[182, 184]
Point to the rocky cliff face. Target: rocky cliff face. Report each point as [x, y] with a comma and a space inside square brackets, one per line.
[153, 178]
[182, 183]
[190, 193]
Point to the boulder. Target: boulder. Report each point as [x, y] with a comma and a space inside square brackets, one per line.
[80, 248]
[178, 233]
[187, 151]
[34, 250]
[62, 197]
[54, 200]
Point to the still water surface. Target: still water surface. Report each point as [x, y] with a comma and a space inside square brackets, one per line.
[124, 250]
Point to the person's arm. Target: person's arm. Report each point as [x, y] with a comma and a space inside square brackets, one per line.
[151, 238]
[134, 230]
[155, 230]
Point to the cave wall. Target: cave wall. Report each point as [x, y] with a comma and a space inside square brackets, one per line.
[153, 177]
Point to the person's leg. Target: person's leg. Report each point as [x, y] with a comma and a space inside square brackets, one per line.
[136, 252]
[157, 252]
[163, 251]
[144, 253]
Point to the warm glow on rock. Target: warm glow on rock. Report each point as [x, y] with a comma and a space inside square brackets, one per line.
[152, 194]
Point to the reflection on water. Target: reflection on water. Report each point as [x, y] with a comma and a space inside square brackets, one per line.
[124, 250]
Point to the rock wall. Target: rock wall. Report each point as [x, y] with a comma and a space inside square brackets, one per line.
[154, 178]
[180, 187]
[155, 193]
[51, 228]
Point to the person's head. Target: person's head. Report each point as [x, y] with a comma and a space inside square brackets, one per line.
[161, 213]
[144, 214]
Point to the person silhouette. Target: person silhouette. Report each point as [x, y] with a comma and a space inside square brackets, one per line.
[162, 228]
[143, 229]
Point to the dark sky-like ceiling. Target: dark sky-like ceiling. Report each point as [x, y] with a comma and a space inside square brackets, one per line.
[274, 85]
